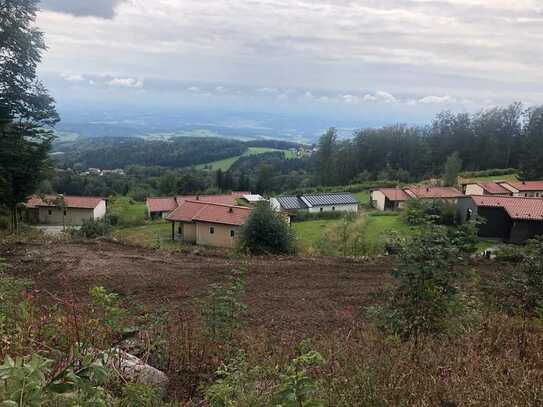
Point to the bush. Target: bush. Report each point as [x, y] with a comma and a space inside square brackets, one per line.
[489, 173]
[92, 229]
[419, 212]
[305, 216]
[266, 232]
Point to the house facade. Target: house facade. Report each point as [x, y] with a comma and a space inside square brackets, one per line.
[59, 210]
[526, 189]
[161, 206]
[485, 188]
[316, 203]
[388, 199]
[507, 218]
[208, 224]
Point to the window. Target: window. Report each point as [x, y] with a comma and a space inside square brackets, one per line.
[50, 212]
[211, 230]
[232, 233]
[322, 209]
[64, 212]
[333, 208]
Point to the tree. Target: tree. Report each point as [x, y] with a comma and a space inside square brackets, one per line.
[325, 156]
[27, 112]
[453, 166]
[266, 232]
[531, 165]
[219, 180]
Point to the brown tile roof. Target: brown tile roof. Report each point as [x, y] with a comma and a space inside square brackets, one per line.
[198, 211]
[82, 202]
[394, 194]
[516, 207]
[526, 185]
[161, 204]
[493, 188]
[433, 192]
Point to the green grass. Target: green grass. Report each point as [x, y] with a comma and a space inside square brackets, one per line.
[151, 235]
[309, 232]
[506, 177]
[379, 227]
[226, 163]
[128, 211]
[363, 197]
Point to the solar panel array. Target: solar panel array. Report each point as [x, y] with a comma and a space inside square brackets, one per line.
[306, 201]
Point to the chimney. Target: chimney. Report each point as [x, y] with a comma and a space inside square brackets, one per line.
[523, 182]
[197, 197]
[230, 210]
[427, 189]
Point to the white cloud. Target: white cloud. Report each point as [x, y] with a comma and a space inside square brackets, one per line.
[437, 100]
[72, 77]
[380, 96]
[194, 89]
[267, 90]
[126, 83]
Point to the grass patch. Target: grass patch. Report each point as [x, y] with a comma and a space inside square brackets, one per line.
[226, 163]
[378, 228]
[128, 211]
[154, 235]
[309, 232]
[506, 177]
[363, 197]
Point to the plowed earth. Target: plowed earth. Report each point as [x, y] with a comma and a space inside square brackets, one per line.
[292, 295]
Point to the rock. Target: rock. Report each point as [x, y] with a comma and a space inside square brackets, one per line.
[136, 370]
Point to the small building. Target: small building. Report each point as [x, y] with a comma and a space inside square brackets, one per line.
[64, 210]
[395, 198]
[386, 199]
[507, 218]
[253, 199]
[208, 224]
[485, 188]
[161, 206]
[527, 189]
[316, 203]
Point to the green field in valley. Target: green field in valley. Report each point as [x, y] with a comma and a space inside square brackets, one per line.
[128, 211]
[226, 163]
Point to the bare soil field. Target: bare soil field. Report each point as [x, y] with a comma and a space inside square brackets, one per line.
[297, 296]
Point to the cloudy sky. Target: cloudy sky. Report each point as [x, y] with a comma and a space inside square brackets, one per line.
[401, 60]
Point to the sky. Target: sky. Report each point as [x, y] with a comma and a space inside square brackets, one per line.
[376, 61]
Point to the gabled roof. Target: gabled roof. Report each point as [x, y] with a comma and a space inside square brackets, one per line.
[161, 204]
[518, 208]
[81, 202]
[198, 211]
[493, 188]
[253, 198]
[394, 194]
[433, 192]
[339, 198]
[291, 202]
[525, 186]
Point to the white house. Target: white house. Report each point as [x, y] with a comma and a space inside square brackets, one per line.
[315, 203]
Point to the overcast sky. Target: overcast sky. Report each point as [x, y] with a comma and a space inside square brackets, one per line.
[397, 58]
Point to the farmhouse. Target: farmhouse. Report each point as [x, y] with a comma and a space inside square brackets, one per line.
[486, 188]
[64, 210]
[524, 188]
[388, 198]
[508, 218]
[160, 207]
[395, 198]
[208, 224]
[315, 203]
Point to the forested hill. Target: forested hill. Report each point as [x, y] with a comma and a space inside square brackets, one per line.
[120, 152]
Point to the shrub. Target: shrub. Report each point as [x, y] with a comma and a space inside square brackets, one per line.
[266, 232]
[92, 229]
[419, 212]
[305, 216]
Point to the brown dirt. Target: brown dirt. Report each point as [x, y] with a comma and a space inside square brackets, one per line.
[294, 295]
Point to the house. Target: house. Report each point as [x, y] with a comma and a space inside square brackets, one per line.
[253, 199]
[485, 188]
[64, 210]
[315, 203]
[395, 198]
[161, 206]
[524, 188]
[508, 218]
[207, 223]
[388, 198]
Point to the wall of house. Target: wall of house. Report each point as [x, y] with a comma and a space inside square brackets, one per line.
[378, 200]
[221, 236]
[188, 230]
[275, 205]
[525, 229]
[336, 208]
[498, 224]
[74, 216]
[474, 189]
[531, 194]
[100, 210]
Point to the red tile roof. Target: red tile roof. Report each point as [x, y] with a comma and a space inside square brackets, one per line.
[516, 207]
[225, 199]
[198, 211]
[161, 204]
[394, 194]
[494, 188]
[83, 202]
[526, 185]
[433, 192]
